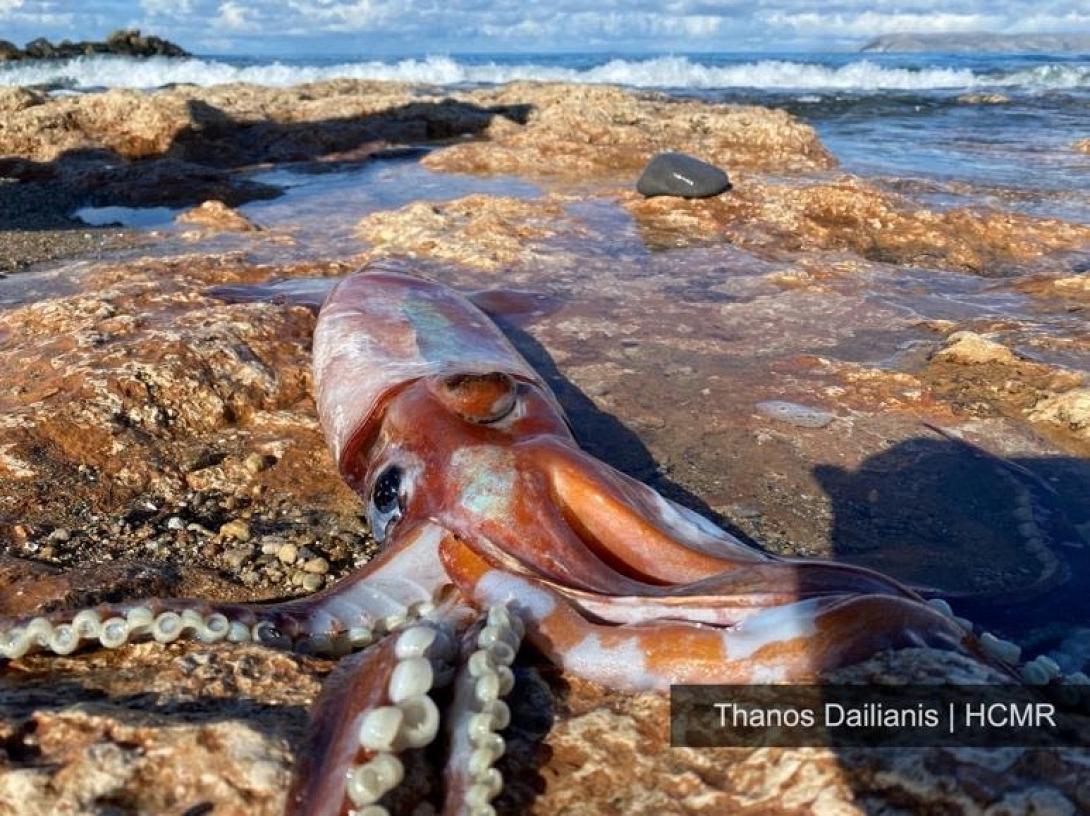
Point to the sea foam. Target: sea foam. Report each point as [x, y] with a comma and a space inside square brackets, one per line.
[658, 72]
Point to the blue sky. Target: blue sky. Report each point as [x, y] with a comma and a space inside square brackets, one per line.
[362, 27]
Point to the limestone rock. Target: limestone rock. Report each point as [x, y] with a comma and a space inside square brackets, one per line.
[1069, 410]
[217, 217]
[851, 214]
[488, 232]
[969, 348]
[599, 131]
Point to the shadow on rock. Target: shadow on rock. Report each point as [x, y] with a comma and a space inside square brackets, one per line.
[203, 159]
[1005, 541]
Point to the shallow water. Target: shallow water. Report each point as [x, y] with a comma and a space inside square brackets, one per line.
[127, 216]
[322, 204]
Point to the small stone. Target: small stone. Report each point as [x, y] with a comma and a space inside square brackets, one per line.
[312, 583]
[678, 174]
[257, 462]
[316, 566]
[237, 529]
[234, 559]
[60, 534]
[287, 553]
[970, 348]
[801, 416]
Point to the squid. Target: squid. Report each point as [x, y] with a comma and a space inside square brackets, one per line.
[497, 530]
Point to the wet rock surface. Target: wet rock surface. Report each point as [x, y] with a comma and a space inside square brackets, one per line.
[851, 214]
[676, 174]
[772, 359]
[217, 217]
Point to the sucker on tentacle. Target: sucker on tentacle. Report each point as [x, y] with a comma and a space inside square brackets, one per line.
[494, 525]
[478, 713]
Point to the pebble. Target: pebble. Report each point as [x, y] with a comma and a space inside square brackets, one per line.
[678, 174]
[287, 553]
[60, 534]
[235, 558]
[257, 462]
[801, 416]
[316, 566]
[237, 529]
[312, 583]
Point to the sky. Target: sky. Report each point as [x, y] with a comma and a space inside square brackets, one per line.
[418, 27]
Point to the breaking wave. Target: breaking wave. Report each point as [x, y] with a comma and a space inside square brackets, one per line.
[658, 72]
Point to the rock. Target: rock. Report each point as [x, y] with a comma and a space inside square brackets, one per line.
[585, 131]
[40, 48]
[801, 416]
[236, 529]
[677, 174]
[9, 52]
[186, 386]
[984, 99]
[235, 558]
[852, 214]
[287, 553]
[218, 217]
[488, 232]
[1069, 410]
[969, 348]
[126, 43]
[14, 99]
[316, 566]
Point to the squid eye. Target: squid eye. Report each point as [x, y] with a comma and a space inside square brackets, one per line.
[385, 506]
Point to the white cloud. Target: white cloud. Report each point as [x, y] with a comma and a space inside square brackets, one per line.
[234, 16]
[869, 23]
[378, 26]
[176, 9]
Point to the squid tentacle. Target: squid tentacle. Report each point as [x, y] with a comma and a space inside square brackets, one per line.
[374, 707]
[478, 713]
[790, 642]
[398, 586]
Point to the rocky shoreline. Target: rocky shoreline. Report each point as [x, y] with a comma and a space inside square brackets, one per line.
[153, 438]
[126, 42]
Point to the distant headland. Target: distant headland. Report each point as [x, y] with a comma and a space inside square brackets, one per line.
[981, 42]
[127, 42]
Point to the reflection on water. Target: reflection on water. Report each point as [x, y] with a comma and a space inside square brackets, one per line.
[144, 217]
[321, 205]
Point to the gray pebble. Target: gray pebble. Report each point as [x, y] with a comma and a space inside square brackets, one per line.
[678, 174]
